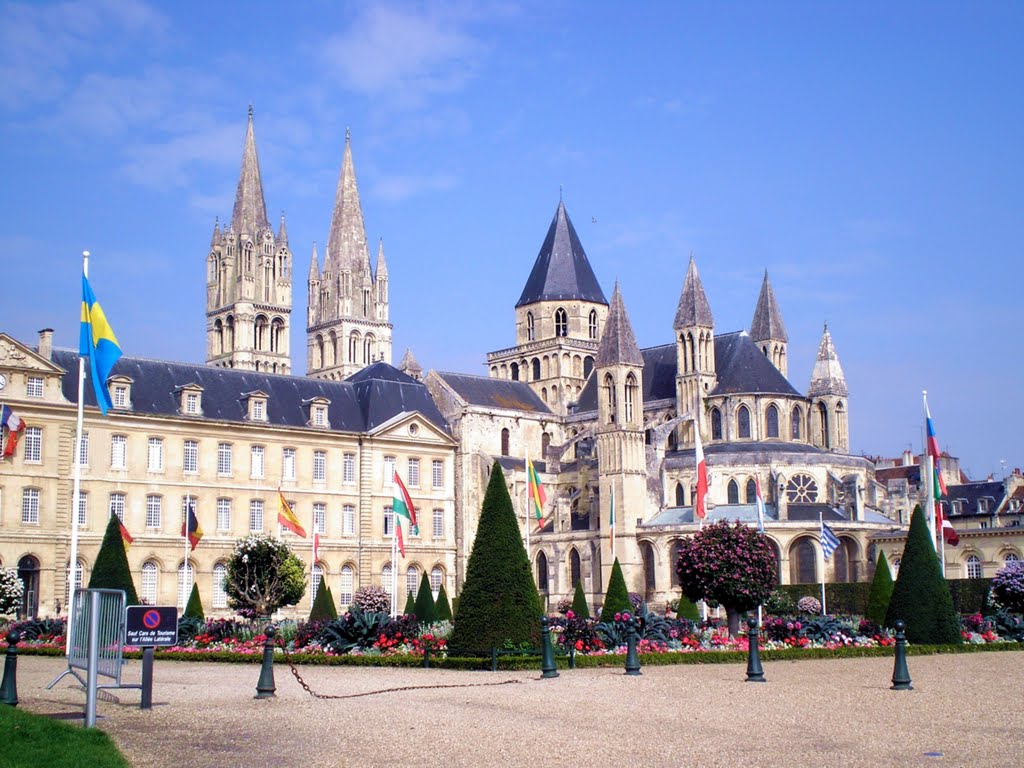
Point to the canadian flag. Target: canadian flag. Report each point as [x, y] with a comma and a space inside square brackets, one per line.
[700, 505]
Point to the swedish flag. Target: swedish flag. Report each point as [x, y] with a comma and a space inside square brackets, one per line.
[98, 343]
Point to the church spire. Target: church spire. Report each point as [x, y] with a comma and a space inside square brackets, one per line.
[827, 377]
[693, 306]
[314, 264]
[618, 344]
[249, 215]
[346, 243]
[282, 232]
[767, 322]
[382, 266]
[215, 240]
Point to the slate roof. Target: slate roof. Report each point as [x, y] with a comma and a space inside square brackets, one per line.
[366, 400]
[971, 493]
[767, 321]
[495, 393]
[562, 270]
[618, 344]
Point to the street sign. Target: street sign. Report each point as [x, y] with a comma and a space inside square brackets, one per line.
[151, 625]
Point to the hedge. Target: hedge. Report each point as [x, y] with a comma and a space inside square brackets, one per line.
[968, 594]
[852, 598]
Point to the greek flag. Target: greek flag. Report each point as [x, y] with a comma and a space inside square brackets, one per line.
[829, 541]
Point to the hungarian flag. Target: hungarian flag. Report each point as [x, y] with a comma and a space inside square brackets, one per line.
[287, 518]
[949, 534]
[537, 495]
[125, 536]
[700, 503]
[402, 506]
[191, 527]
[14, 426]
[398, 535]
[759, 501]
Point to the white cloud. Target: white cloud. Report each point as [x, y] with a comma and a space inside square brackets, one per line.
[395, 188]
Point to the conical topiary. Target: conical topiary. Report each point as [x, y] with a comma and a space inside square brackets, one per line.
[616, 600]
[881, 592]
[194, 607]
[425, 612]
[323, 606]
[330, 602]
[579, 603]
[499, 603]
[410, 605]
[442, 608]
[921, 596]
[687, 610]
[111, 570]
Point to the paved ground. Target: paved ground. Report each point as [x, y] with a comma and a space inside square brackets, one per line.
[965, 711]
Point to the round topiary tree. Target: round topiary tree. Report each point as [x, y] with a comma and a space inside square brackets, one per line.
[424, 606]
[111, 570]
[443, 608]
[881, 592]
[12, 590]
[921, 595]
[733, 565]
[263, 574]
[194, 607]
[616, 599]
[580, 609]
[499, 602]
[1008, 586]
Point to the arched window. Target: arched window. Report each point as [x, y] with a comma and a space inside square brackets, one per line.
[150, 574]
[796, 418]
[733, 490]
[1011, 557]
[261, 332]
[514, 368]
[28, 572]
[436, 579]
[974, 569]
[609, 396]
[387, 577]
[530, 329]
[317, 578]
[743, 421]
[368, 350]
[574, 568]
[840, 423]
[545, 441]
[536, 368]
[561, 322]
[751, 491]
[412, 581]
[504, 442]
[353, 346]
[592, 324]
[185, 576]
[771, 421]
[647, 556]
[841, 562]
[716, 424]
[631, 397]
[542, 572]
[347, 582]
[803, 562]
[680, 495]
[823, 426]
[588, 366]
[220, 595]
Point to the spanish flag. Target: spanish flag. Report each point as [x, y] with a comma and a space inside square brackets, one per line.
[287, 518]
[98, 343]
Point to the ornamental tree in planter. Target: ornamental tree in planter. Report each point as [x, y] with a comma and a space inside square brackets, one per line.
[616, 599]
[263, 574]
[425, 611]
[881, 592]
[921, 596]
[1008, 586]
[111, 570]
[499, 602]
[733, 565]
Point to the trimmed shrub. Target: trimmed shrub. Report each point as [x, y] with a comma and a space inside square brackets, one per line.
[579, 602]
[843, 598]
[372, 599]
[499, 603]
[443, 608]
[686, 609]
[616, 599]
[323, 604]
[881, 591]
[194, 607]
[111, 570]
[921, 596]
[410, 606]
[424, 607]
[969, 595]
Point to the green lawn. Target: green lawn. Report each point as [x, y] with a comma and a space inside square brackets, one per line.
[32, 741]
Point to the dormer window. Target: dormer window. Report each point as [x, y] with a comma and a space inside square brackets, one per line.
[319, 416]
[259, 410]
[121, 392]
[191, 402]
[256, 405]
[190, 399]
[316, 412]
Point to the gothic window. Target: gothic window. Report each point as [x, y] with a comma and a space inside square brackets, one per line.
[631, 397]
[542, 572]
[545, 441]
[743, 421]
[734, 492]
[536, 368]
[803, 562]
[530, 330]
[248, 257]
[751, 491]
[514, 368]
[840, 423]
[716, 424]
[229, 334]
[261, 332]
[647, 556]
[218, 338]
[592, 324]
[802, 489]
[796, 417]
[504, 442]
[574, 568]
[588, 366]
[544, 394]
[693, 352]
[368, 349]
[823, 426]
[771, 419]
[609, 396]
[561, 322]
[276, 334]
[353, 346]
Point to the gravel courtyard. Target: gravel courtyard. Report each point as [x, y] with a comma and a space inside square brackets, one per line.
[965, 711]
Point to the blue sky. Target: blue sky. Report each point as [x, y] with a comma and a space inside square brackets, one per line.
[867, 155]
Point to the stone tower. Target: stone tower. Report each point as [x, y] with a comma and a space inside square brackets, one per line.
[621, 453]
[695, 349]
[347, 325]
[249, 281]
[767, 329]
[559, 319]
[829, 396]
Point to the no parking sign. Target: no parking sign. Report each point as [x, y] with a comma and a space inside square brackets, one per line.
[151, 625]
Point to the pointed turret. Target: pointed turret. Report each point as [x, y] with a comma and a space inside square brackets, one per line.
[314, 265]
[249, 215]
[618, 344]
[693, 306]
[409, 366]
[827, 377]
[282, 232]
[767, 329]
[346, 244]
[215, 239]
[561, 271]
[382, 267]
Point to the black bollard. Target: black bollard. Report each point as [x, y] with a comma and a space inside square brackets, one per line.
[572, 657]
[632, 659]
[548, 668]
[265, 687]
[754, 672]
[9, 686]
[426, 657]
[900, 673]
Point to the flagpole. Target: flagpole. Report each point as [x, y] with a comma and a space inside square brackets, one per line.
[529, 502]
[821, 530]
[394, 563]
[930, 479]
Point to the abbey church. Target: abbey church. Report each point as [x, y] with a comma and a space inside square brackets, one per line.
[608, 423]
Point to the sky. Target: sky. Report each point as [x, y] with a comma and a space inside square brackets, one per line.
[868, 155]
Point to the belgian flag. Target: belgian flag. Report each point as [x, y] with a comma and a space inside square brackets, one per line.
[191, 527]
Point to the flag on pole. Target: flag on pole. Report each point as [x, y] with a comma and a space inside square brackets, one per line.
[949, 534]
[829, 541]
[537, 495]
[14, 425]
[402, 506]
[316, 546]
[611, 519]
[191, 527]
[98, 343]
[759, 501]
[398, 535]
[700, 504]
[125, 536]
[287, 518]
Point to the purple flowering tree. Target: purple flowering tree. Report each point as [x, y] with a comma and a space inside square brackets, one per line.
[733, 565]
[1008, 586]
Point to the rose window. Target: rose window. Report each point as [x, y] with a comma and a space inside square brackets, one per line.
[802, 489]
